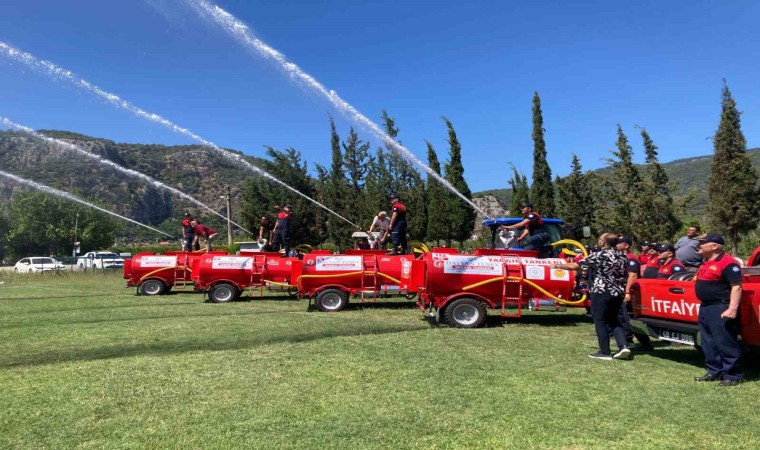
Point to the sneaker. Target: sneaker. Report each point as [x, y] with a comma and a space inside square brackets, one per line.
[707, 377]
[600, 355]
[729, 382]
[624, 353]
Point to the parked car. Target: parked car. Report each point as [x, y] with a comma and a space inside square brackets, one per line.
[38, 264]
[100, 260]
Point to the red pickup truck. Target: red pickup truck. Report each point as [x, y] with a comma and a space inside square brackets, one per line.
[668, 309]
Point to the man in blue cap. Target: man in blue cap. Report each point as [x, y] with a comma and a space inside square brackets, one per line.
[719, 288]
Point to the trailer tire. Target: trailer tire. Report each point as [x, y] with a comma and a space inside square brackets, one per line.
[465, 313]
[152, 287]
[331, 300]
[223, 293]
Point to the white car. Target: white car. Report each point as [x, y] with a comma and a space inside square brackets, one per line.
[38, 264]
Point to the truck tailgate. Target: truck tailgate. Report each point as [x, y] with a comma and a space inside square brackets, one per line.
[666, 299]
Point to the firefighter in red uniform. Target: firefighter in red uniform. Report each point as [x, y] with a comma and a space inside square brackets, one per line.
[653, 262]
[644, 256]
[719, 288]
[669, 265]
[398, 225]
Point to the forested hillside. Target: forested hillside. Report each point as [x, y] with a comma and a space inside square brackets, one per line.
[689, 175]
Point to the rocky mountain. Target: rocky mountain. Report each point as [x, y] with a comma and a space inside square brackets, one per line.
[204, 174]
[195, 170]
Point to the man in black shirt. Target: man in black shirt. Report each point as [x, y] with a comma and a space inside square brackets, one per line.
[607, 292]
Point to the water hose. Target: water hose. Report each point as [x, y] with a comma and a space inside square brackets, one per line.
[534, 285]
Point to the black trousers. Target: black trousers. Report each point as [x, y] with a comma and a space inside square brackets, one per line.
[723, 351]
[281, 241]
[398, 237]
[604, 310]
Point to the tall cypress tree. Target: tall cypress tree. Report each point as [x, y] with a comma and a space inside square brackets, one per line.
[659, 220]
[337, 194]
[520, 192]
[733, 187]
[438, 216]
[461, 215]
[542, 190]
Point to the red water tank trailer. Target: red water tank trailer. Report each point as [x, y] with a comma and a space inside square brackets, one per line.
[155, 274]
[332, 279]
[226, 276]
[458, 289]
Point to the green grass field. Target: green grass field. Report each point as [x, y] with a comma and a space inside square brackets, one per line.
[85, 363]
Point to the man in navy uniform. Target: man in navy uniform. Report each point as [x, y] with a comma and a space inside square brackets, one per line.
[719, 288]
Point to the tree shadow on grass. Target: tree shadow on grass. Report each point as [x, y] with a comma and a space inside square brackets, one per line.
[94, 308]
[357, 305]
[685, 354]
[196, 344]
[220, 313]
[52, 297]
[559, 319]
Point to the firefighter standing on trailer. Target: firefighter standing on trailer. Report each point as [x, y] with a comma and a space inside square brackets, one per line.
[188, 234]
[537, 235]
[719, 288]
[281, 229]
[398, 226]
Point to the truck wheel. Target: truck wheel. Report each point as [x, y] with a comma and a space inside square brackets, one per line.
[223, 293]
[331, 300]
[152, 287]
[465, 313]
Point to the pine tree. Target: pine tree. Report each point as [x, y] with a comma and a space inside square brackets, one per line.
[733, 189]
[659, 219]
[542, 190]
[261, 195]
[575, 200]
[520, 192]
[461, 215]
[438, 216]
[355, 159]
[619, 206]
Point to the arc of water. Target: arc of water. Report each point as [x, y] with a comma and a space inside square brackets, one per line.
[240, 31]
[73, 198]
[61, 73]
[113, 165]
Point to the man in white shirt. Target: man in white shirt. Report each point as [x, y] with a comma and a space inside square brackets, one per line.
[383, 223]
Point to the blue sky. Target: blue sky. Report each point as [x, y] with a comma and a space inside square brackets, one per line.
[594, 63]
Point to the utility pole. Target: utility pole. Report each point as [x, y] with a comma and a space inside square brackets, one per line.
[229, 215]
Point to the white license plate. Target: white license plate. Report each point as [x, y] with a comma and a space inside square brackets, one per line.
[675, 336]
